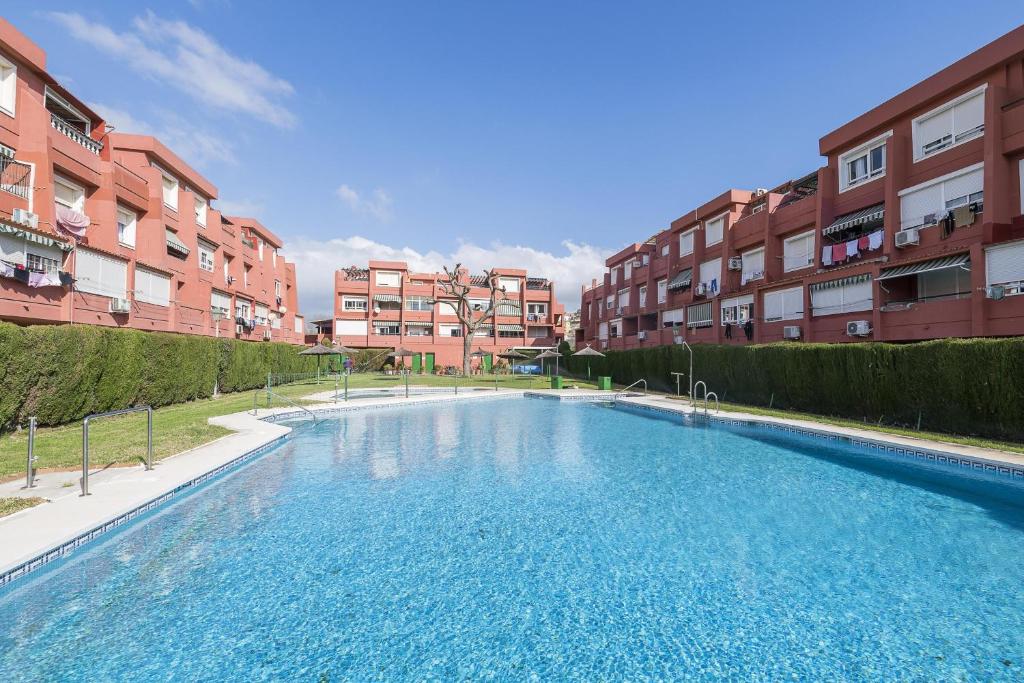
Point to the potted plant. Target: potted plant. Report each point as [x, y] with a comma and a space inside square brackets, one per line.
[388, 368]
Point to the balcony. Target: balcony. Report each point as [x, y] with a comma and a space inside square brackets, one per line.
[15, 177]
[68, 130]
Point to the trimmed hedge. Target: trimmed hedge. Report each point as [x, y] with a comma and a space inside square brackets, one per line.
[956, 386]
[63, 373]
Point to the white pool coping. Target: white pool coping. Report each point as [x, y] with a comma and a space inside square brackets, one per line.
[35, 536]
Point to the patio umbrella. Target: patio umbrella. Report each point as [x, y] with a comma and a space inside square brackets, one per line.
[587, 351]
[512, 355]
[318, 350]
[479, 353]
[343, 350]
[549, 354]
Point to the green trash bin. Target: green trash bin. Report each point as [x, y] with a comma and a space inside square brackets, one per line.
[604, 383]
[556, 382]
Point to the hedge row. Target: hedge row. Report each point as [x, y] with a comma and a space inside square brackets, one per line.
[957, 386]
[63, 373]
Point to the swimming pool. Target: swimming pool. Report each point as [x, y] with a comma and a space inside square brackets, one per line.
[520, 538]
[390, 392]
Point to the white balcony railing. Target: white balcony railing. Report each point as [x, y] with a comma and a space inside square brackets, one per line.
[78, 136]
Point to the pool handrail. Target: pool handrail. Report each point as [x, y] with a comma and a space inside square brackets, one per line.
[623, 391]
[292, 402]
[111, 413]
[718, 408]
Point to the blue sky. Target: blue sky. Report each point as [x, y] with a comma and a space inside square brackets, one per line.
[536, 134]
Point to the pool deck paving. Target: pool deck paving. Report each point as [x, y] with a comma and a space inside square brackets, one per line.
[116, 491]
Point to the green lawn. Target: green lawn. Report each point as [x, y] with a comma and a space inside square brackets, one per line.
[176, 428]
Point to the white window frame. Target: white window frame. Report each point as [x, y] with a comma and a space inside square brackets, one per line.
[664, 249]
[786, 267]
[219, 297]
[422, 303]
[511, 284]
[642, 296]
[693, 321]
[864, 150]
[8, 86]
[752, 275]
[708, 222]
[941, 180]
[79, 203]
[785, 295]
[965, 136]
[845, 306]
[201, 209]
[359, 304]
[686, 242]
[662, 291]
[447, 330]
[144, 290]
[207, 256]
[713, 273]
[300, 325]
[243, 308]
[1011, 287]
[83, 284]
[380, 281]
[171, 192]
[737, 310]
[129, 220]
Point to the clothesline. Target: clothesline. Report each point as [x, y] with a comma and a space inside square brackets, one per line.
[832, 254]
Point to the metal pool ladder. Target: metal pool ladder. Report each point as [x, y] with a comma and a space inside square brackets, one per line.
[707, 395]
[623, 391]
[270, 393]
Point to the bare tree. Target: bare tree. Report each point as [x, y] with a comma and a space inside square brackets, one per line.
[457, 285]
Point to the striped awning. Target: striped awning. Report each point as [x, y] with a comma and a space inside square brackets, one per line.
[175, 244]
[419, 323]
[7, 229]
[390, 298]
[682, 280]
[927, 266]
[510, 328]
[841, 282]
[385, 323]
[850, 220]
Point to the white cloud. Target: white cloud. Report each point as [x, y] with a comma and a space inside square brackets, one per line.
[196, 146]
[316, 261]
[188, 59]
[378, 204]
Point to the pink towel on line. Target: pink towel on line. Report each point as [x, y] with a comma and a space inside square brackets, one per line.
[838, 253]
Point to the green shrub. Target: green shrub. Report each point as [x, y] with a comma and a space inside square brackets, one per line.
[962, 386]
[63, 373]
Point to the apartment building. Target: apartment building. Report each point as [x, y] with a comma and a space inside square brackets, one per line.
[387, 305]
[114, 229]
[912, 230]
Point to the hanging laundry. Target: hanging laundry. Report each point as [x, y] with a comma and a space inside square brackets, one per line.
[863, 242]
[66, 279]
[728, 330]
[714, 285]
[826, 255]
[838, 253]
[6, 269]
[71, 222]
[51, 278]
[875, 239]
[851, 249]
[21, 275]
[36, 279]
[748, 330]
[963, 216]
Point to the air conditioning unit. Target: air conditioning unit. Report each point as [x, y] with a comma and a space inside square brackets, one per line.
[26, 218]
[641, 335]
[700, 290]
[735, 263]
[638, 263]
[906, 238]
[678, 339]
[238, 329]
[995, 292]
[791, 332]
[858, 328]
[119, 305]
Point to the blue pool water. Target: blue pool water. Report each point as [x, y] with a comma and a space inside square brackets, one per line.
[519, 539]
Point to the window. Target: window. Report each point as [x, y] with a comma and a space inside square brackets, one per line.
[242, 308]
[673, 317]
[753, 265]
[798, 252]
[300, 325]
[201, 208]
[8, 85]
[623, 298]
[206, 252]
[354, 303]
[951, 124]
[227, 269]
[418, 303]
[737, 310]
[259, 247]
[97, 273]
[152, 287]
[388, 278]
[615, 326]
[627, 270]
[262, 314]
[662, 291]
[38, 263]
[699, 315]
[711, 273]
[126, 227]
[350, 327]
[713, 230]
[945, 283]
[1004, 265]
[447, 307]
[68, 194]
[536, 309]
[511, 284]
[664, 249]
[412, 330]
[245, 276]
[642, 296]
[479, 305]
[841, 296]
[387, 329]
[220, 303]
[170, 191]
[610, 302]
[784, 304]
[484, 331]
[686, 243]
[602, 331]
[537, 332]
[864, 163]
[277, 289]
[449, 330]
[928, 202]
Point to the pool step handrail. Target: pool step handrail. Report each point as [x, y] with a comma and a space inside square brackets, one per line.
[622, 392]
[708, 394]
[304, 409]
[85, 440]
[693, 392]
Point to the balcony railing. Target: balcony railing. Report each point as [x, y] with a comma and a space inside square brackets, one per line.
[78, 136]
[15, 177]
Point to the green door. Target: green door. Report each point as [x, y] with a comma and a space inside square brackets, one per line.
[488, 360]
[430, 364]
[416, 363]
